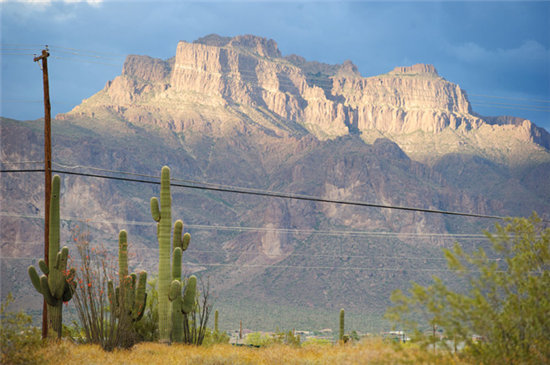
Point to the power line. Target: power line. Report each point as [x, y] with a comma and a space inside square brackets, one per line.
[20, 162]
[258, 253]
[384, 234]
[288, 196]
[280, 266]
[274, 194]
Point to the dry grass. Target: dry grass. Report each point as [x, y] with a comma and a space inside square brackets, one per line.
[371, 352]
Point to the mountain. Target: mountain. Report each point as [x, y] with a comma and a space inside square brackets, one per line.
[216, 82]
[235, 111]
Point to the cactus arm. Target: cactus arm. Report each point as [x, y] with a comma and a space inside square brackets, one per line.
[54, 219]
[177, 316]
[57, 260]
[176, 264]
[70, 286]
[175, 290]
[140, 297]
[63, 258]
[122, 255]
[42, 265]
[68, 292]
[50, 299]
[177, 239]
[189, 295]
[185, 241]
[141, 311]
[155, 212]
[35, 279]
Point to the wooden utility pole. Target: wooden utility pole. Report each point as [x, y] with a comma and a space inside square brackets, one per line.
[47, 173]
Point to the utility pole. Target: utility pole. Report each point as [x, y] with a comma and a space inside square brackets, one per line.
[47, 173]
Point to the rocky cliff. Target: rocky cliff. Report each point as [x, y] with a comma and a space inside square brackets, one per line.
[216, 79]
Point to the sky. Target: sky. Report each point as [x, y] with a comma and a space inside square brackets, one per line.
[497, 51]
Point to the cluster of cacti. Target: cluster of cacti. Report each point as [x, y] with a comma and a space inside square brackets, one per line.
[127, 300]
[173, 305]
[56, 284]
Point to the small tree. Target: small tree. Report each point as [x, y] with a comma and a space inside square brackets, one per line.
[503, 316]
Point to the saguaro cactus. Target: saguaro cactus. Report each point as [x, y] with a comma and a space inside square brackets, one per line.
[181, 306]
[179, 244]
[164, 218]
[341, 337]
[128, 301]
[56, 284]
[216, 321]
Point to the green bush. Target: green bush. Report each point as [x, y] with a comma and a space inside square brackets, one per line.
[502, 316]
[19, 341]
[258, 339]
[316, 342]
[214, 337]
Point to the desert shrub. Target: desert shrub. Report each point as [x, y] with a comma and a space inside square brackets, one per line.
[212, 337]
[258, 339]
[316, 342]
[503, 315]
[19, 341]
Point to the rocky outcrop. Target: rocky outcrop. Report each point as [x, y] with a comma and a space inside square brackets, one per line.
[249, 76]
[418, 69]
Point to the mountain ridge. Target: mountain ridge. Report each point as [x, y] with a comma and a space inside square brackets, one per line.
[216, 79]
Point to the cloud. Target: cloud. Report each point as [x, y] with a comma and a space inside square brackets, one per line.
[530, 51]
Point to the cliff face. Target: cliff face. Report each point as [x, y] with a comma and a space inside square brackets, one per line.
[218, 83]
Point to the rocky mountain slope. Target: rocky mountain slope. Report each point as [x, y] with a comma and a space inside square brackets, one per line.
[234, 111]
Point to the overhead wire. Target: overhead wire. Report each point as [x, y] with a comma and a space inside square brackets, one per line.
[256, 192]
[355, 233]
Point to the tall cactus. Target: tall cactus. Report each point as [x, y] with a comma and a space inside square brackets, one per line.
[56, 284]
[164, 218]
[216, 322]
[342, 313]
[128, 301]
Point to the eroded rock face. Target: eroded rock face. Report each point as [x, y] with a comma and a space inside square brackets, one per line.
[216, 79]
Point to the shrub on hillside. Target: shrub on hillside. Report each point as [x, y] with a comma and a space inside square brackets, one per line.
[19, 341]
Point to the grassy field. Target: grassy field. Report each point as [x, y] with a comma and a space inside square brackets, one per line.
[372, 351]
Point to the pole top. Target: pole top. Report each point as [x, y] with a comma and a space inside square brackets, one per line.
[45, 54]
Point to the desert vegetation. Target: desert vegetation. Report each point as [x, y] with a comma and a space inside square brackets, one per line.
[500, 317]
